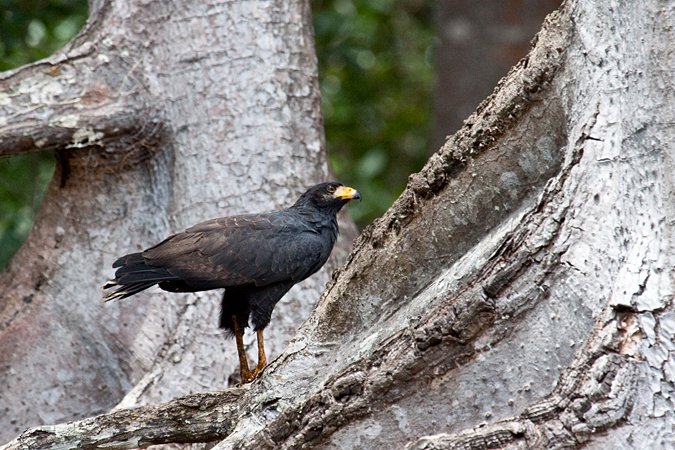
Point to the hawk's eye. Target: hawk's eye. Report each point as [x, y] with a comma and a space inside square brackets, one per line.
[331, 188]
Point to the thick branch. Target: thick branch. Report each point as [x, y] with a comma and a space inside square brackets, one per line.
[85, 94]
[193, 418]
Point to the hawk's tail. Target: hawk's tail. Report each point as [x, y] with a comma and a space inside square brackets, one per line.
[133, 276]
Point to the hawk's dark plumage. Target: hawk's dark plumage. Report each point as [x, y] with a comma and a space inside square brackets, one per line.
[256, 258]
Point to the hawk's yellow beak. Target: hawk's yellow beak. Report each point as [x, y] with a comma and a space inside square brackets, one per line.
[347, 192]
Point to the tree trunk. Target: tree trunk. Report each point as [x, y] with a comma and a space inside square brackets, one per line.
[517, 295]
[162, 115]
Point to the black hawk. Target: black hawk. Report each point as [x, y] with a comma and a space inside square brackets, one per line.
[256, 258]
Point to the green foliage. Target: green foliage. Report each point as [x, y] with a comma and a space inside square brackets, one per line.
[32, 30]
[376, 81]
[23, 180]
[29, 30]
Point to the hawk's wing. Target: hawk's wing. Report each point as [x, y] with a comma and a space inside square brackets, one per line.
[251, 249]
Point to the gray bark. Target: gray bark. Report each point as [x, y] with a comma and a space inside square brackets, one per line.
[518, 294]
[162, 115]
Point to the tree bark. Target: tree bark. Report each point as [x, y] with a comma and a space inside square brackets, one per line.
[519, 292]
[162, 115]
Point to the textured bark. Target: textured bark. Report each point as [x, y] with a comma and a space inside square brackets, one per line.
[519, 292]
[162, 115]
[193, 418]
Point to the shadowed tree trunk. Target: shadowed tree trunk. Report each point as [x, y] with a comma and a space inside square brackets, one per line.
[517, 295]
[479, 41]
